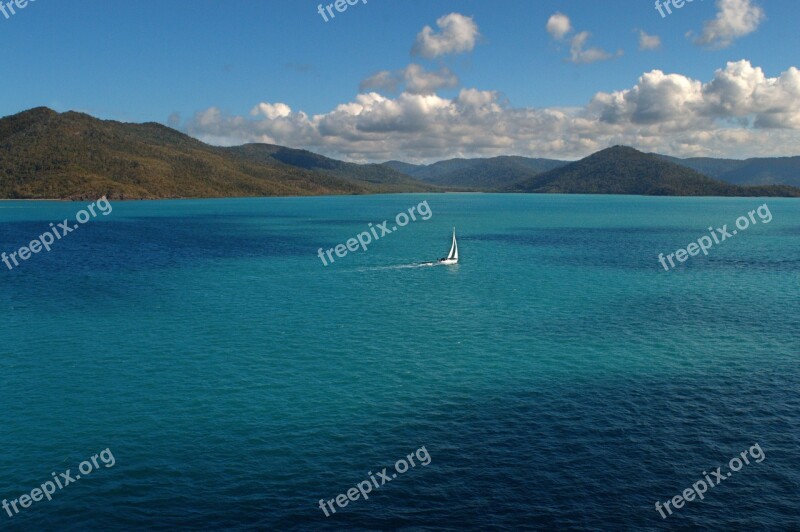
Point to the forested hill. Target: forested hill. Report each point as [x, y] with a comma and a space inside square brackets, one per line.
[624, 170]
[49, 155]
[44, 154]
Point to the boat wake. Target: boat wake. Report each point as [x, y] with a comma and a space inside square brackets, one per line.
[450, 260]
[399, 266]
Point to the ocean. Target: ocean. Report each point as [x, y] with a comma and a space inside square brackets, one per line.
[558, 377]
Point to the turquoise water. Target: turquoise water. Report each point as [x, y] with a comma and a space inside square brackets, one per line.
[558, 377]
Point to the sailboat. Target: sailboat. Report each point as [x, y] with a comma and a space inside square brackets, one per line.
[452, 257]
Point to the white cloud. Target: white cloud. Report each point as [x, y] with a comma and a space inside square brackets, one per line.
[558, 26]
[420, 82]
[742, 90]
[739, 112]
[458, 34]
[649, 42]
[580, 56]
[657, 99]
[271, 111]
[739, 94]
[735, 18]
[384, 80]
[415, 79]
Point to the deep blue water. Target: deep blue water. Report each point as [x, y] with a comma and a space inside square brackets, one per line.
[558, 377]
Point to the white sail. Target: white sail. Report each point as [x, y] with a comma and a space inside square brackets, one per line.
[453, 255]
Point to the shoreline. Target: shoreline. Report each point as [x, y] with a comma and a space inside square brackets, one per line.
[59, 200]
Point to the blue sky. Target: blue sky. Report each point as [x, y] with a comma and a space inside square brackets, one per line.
[204, 65]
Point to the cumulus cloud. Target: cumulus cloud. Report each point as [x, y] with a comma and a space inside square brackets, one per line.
[271, 111]
[735, 18]
[739, 112]
[458, 34]
[558, 26]
[740, 94]
[579, 55]
[414, 78]
[741, 90]
[649, 42]
[385, 80]
[657, 99]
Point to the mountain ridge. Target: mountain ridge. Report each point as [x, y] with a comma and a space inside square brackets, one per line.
[478, 173]
[752, 171]
[72, 155]
[467, 172]
[49, 155]
[625, 170]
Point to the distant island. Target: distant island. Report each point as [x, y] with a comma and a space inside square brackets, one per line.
[50, 155]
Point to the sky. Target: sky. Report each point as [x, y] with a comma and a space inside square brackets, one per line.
[421, 80]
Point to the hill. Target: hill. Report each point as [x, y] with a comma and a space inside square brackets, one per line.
[371, 173]
[500, 173]
[403, 168]
[44, 154]
[478, 174]
[624, 170]
[755, 171]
